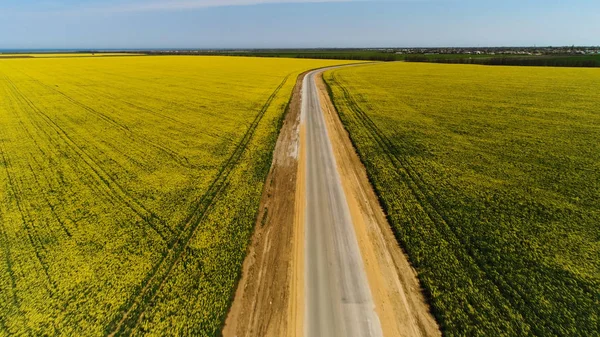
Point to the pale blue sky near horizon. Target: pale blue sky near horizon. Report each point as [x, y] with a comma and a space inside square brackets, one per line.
[38, 24]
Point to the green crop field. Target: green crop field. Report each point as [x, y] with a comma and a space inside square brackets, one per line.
[589, 61]
[490, 177]
[129, 188]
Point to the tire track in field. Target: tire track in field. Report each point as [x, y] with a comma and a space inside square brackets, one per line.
[41, 168]
[47, 200]
[181, 160]
[136, 91]
[435, 211]
[113, 186]
[26, 218]
[9, 266]
[134, 309]
[189, 126]
[18, 95]
[43, 172]
[181, 105]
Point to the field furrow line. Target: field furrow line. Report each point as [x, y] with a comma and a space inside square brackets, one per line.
[36, 159]
[47, 201]
[239, 149]
[189, 126]
[27, 222]
[9, 267]
[174, 104]
[14, 297]
[181, 160]
[148, 216]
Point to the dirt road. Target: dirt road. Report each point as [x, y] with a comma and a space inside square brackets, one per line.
[338, 299]
[325, 261]
[395, 289]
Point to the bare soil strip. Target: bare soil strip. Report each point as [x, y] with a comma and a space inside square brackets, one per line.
[268, 300]
[397, 294]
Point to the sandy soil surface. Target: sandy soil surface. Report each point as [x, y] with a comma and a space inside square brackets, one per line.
[297, 303]
[399, 302]
[269, 297]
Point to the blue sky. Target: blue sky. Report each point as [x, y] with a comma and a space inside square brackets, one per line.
[291, 24]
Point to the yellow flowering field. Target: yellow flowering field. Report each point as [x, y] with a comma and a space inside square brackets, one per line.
[490, 177]
[129, 188]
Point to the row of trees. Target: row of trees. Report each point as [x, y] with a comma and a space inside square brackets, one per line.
[544, 61]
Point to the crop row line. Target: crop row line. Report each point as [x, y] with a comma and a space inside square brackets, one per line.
[41, 170]
[137, 92]
[6, 245]
[47, 200]
[28, 223]
[118, 191]
[181, 160]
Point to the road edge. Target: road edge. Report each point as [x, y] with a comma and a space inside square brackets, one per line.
[258, 308]
[400, 304]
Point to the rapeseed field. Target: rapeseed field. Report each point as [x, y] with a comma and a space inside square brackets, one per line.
[490, 177]
[129, 188]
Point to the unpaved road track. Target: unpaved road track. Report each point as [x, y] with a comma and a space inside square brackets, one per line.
[325, 262]
[338, 300]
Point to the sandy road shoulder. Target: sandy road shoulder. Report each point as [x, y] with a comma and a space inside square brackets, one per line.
[396, 291]
[267, 296]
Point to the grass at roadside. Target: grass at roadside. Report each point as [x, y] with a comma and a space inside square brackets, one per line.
[490, 177]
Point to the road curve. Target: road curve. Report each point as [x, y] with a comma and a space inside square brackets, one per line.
[338, 300]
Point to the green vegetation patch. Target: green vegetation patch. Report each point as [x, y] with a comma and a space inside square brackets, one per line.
[490, 177]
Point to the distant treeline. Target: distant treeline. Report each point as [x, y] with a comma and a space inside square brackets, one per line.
[15, 56]
[359, 55]
[347, 56]
[387, 56]
[541, 61]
